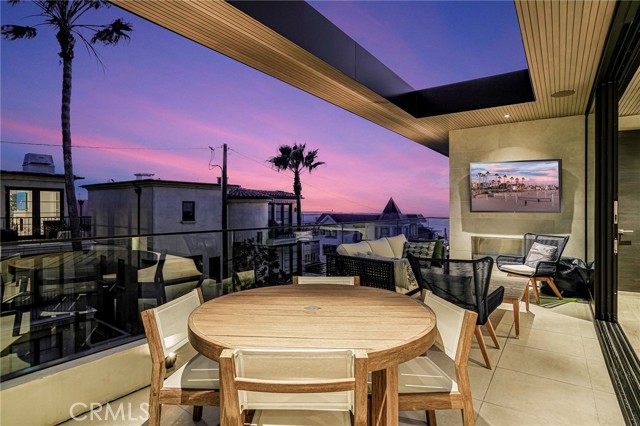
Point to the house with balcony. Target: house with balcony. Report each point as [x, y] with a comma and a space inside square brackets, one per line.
[33, 203]
[578, 101]
[193, 209]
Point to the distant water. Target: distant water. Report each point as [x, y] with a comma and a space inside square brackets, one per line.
[440, 225]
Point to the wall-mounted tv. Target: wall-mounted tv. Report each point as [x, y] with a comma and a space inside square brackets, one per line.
[516, 186]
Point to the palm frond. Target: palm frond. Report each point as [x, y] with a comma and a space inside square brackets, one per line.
[14, 32]
[113, 33]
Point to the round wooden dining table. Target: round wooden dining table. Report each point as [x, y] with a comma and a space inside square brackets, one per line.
[391, 327]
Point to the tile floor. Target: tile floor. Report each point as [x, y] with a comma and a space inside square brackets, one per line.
[554, 374]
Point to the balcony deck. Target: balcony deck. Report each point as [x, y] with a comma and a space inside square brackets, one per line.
[553, 374]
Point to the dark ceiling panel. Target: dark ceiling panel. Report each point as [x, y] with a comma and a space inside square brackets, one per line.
[498, 90]
[300, 23]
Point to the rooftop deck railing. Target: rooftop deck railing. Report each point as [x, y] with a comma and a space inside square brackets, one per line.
[59, 304]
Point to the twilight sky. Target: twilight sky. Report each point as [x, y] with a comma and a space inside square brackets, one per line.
[163, 100]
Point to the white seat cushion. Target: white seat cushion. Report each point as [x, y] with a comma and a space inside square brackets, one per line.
[301, 418]
[421, 375]
[519, 269]
[199, 373]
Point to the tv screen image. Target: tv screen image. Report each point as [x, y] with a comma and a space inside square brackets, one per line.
[516, 186]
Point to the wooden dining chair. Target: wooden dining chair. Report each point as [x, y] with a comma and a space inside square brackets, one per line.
[196, 382]
[326, 280]
[422, 385]
[294, 387]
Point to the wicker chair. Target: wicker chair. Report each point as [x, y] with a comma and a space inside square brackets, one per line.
[516, 266]
[464, 283]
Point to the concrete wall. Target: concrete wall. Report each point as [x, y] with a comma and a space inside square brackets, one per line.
[114, 211]
[248, 214]
[562, 138]
[46, 397]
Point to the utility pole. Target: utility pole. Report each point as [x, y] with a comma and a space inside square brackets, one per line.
[225, 236]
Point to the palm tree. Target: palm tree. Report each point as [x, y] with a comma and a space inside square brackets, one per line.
[295, 159]
[64, 17]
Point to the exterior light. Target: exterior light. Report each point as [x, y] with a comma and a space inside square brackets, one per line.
[563, 93]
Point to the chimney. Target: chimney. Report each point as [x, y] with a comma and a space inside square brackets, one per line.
[38, 163]
[142, 176]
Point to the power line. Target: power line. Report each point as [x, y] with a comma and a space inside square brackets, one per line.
[103, 147]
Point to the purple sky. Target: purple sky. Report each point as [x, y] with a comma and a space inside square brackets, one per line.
[534, 172]
[163, 100]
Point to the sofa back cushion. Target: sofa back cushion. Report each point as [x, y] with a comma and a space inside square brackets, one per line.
[397, 245]
[381, 247]
[354, 249]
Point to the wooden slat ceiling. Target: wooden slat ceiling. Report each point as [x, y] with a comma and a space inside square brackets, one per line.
[630, 102]
[563, 42]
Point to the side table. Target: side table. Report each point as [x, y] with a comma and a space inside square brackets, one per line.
[514, 290]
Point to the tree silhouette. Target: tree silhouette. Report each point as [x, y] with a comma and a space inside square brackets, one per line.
[64, 17]
[296, 160]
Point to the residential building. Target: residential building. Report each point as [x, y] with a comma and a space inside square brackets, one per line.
[33, 201]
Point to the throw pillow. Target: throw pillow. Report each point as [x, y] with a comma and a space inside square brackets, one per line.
[538, 253]
[419, 249]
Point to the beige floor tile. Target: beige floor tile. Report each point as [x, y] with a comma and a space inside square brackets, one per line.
[587, 329]
[443, 417]
[608, 409]
[546, 364]
[495, 415]
[542, 319]
[566, 344]
[592, 348]
[568, 404]
[600, 379]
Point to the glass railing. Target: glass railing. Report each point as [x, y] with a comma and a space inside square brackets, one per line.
[63, 299]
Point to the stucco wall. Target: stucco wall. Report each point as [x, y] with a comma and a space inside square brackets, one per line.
[53, 395]
[561, 138]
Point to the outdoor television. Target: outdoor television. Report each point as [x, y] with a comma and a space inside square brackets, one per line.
[516, 186]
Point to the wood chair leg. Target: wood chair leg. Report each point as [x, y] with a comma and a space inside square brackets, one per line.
[197, 412]
[483, 347]
[552, 284]
[534, 284]
[492, 333]
[154, 413]
[431, 418]
[526, 297]
[468, 416]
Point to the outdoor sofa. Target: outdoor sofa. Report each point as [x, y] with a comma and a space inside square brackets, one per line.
[383, 263]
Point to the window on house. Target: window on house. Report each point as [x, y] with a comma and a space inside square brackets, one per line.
[188, 211]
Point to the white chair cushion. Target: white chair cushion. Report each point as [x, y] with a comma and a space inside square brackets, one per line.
[421, 375]
[519, 269]
[301, 418]
[199, 373]
[397, 245]
[381, 247]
